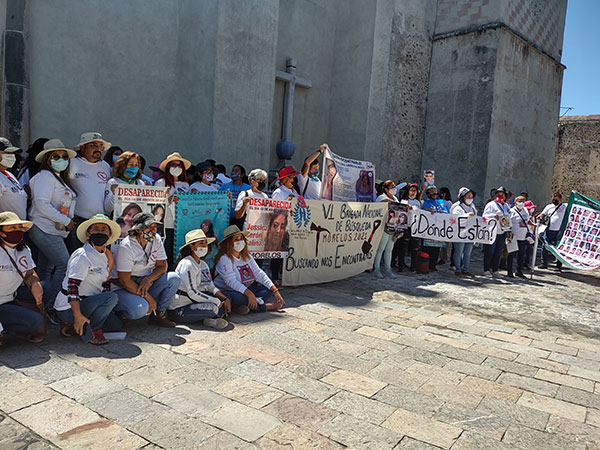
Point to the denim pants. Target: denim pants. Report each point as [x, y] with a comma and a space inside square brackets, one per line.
[493, 253]
[195, 312]
[239, 299]
[53, 254]
[520, 253]
[17, 319]
[96, 308]
[550, 237]
[461, 255]
[385, 249]
[162, 291]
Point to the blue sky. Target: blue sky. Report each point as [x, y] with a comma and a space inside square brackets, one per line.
[581, 55]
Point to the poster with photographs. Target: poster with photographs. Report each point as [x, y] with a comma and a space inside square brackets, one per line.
[397, 219]
[347, 180]
[578, 245]
[429, 178]
[505, 223]
[267, 221]
[133, 199]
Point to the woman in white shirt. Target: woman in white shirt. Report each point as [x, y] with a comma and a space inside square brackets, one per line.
[461, 253]
[174, 177]
[17, 272]
[197, 298]
[126, 170]
[286, 190]
[203, 180]
[496, 209]
[13, 196]
[258, 182]
[386, 245]
[85, 301]
[518, 218]
[240, 279]
[52, 211]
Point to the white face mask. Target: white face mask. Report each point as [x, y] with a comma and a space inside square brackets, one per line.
[238, 246]
[393, 191]
[201, 252]
[175, 171]
[8, 160]
[520, 205]
[468, 201]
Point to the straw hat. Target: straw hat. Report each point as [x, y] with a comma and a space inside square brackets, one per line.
[231, 230]
[53, 145]
[92, 136]
[115, 229]
[175, 156]
[195, 236]
[10, 218]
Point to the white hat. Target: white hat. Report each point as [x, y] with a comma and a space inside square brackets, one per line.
[53, 145]
[6, 146]
[92, 136]
[115, 229]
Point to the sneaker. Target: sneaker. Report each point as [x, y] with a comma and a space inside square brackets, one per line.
[521, 275]
[468, 274]
[491, 273]
[52, 317]
[441, 262]
[509, 275]
[391, 274]
[217, 323]
[378, 274]
[240, 309]
[159, 318]
[458, 274]
[543, 266]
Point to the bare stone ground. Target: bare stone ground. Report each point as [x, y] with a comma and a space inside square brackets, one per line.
[420, 362]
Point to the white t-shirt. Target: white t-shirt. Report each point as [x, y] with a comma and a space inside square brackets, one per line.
[462, 209]
[10, 280]
[12, 195]
[313, 191]
[557, 217]
[109, 197]
[181, 187]
[131, 257]
[89, 181]
[283, 193]
[240, 201]
[385, 198]
[519, 226]
[88, 265]
[238, 274]
[199, 186]
[49, 194]
[196, 282]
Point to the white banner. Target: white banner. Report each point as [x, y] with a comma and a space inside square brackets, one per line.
[453, 228]
[332, 240]
[347, 180]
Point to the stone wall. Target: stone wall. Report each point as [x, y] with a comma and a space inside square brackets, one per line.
[577, 162]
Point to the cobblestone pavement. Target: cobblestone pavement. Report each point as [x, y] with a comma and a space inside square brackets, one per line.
[419, 362]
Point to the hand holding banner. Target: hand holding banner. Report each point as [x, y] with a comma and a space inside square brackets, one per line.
[453, 228]
[268, 226]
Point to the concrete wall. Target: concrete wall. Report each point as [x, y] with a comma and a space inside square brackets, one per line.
[577, 162]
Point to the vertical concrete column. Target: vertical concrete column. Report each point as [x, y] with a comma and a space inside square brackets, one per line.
[14, 113]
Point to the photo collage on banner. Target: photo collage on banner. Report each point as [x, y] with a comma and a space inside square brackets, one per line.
[268, 222]
[347, 180]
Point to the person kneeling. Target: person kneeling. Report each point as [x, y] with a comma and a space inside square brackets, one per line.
[141, 264]
[197, 299]
[240, 278]
[85, 301]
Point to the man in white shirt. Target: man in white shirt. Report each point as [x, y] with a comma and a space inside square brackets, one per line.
[12, 195]
[88, 173]
[553, 214]
[308, 180]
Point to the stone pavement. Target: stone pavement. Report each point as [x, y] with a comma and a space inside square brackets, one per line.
[417, 363]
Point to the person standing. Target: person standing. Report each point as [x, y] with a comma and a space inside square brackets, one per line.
[126, 170]
[518, 218]
[309, 183]
[203, 180]
[496, 209]
[13, 196]
[552, 215]
[258, 182]
[386, 245]
[462, 250]
[237, 185]
[286, 190]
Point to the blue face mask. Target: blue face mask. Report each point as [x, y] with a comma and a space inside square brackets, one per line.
[235, 176]
[315, 173]
[115, 157]
[59, 165]
[131, 172]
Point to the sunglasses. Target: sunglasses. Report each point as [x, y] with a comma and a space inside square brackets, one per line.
[95, 145]
[57, 157]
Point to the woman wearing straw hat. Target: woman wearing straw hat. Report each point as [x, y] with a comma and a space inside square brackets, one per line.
[85, 300]
[174, 177]
[197, 299]
[16, 269]
[52, 211]
[126, 170]
[239, 277]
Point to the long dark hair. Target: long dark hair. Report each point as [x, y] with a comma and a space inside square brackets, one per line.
[170, 179]
[445, 193]
[30, 163]
[108, 157]
[226, 249]
[244, 175]
[64, 175]
[183, 253]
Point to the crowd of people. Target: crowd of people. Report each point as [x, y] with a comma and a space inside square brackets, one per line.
[57, 263]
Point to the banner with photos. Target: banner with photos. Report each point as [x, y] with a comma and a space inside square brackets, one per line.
[133, 199]
[267, 221]
[208, 211]
[332, 240]
[347, 180]
[578, 242]
[453, 228]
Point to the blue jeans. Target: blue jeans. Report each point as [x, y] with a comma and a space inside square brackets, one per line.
[550, 238]
[17, 319]
[195, 312]
[239, 299]
[53, 254]
[493, 253]
[385, 249]
[520, 258]
[461, 255]
[162, 291]
[96, 308]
